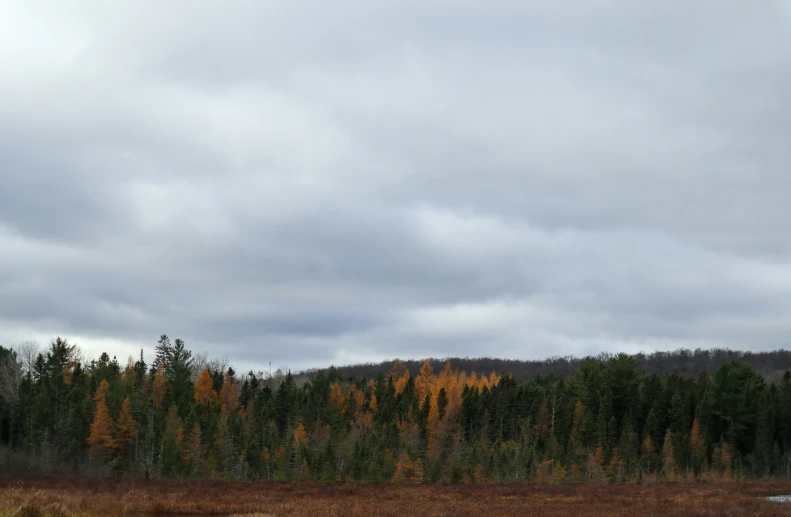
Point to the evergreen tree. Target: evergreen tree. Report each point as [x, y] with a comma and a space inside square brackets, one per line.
[606, 421]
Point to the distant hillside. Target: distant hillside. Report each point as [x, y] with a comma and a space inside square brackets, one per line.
[771, 365]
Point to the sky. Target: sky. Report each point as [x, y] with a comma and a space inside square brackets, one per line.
[310, 183]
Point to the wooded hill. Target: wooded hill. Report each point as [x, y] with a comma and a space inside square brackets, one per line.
[687, 363]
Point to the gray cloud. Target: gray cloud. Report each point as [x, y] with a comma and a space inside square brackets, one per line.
[307, 185]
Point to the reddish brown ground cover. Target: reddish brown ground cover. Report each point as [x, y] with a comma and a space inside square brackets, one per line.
[137, 497]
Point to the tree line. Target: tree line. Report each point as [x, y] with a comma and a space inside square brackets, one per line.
[607, 421]
[771, 364]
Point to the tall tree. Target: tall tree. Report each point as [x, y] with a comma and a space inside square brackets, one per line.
[178, 368]
[161, 352]
[126, 427]
[101, 438]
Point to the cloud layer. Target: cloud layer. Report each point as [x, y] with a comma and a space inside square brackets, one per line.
[310, 183]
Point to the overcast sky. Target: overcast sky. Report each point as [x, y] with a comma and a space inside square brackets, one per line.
[310, 182]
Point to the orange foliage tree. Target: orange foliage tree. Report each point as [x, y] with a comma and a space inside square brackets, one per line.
[204, 390]
[400, 376]
[697, 447]
[229, 395]
[336, 396]
[126, 426]
[101, 438]
[300, 435]
[424, 381]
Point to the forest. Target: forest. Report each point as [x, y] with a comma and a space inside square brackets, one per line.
[184, 417]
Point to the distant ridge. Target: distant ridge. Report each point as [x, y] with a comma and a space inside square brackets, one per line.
[685, 362]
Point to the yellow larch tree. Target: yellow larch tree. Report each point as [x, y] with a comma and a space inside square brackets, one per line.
[300, 435]
[424, 381]
[101, 391]
[697, 446]
[400, 376]
[229, 395]
[336, 396]
[472, 380]
[101, 437]
[204, 390]
[126, 426]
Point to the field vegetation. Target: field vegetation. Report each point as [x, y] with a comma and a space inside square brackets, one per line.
[59, 496]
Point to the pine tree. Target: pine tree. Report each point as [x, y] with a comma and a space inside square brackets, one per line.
[578, 419]
[442, 402]
[543, 425]
[229, 394]
[161, 353]
[178, 369]
[172, 442]
[159, 387]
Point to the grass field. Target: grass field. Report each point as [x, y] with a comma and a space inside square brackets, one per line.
[59, 497]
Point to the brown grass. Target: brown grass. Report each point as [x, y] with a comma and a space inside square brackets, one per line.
[61, 497]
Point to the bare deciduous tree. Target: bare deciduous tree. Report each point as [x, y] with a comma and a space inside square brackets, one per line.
[26, 353]
[201, 361]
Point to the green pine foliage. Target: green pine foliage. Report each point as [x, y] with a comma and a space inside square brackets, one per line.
[606, 421]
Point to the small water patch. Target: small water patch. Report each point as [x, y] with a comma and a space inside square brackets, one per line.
[780, 498]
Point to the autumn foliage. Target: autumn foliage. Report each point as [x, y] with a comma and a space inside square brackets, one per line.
[125, 432]
[605, 423]
[101, 437]
[204, 389]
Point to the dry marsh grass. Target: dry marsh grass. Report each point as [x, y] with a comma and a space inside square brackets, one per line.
[64, 497]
